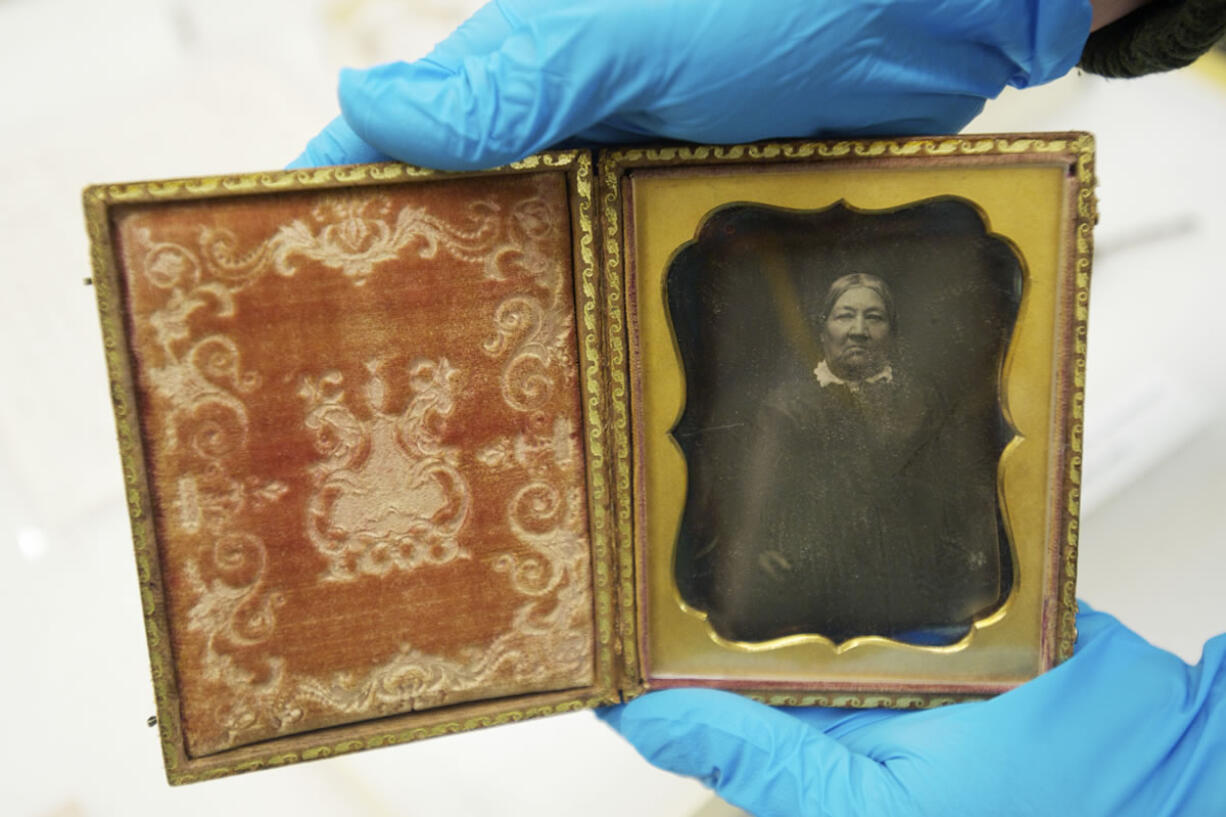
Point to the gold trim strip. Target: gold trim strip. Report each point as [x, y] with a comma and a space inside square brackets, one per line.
[319, 178]
[849, 149]
[1087, 216]
[270, 757]
[593, 384]
[619, 399]
[136, 486]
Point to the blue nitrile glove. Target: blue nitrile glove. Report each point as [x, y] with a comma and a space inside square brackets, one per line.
[523, 75]
[1123, 728]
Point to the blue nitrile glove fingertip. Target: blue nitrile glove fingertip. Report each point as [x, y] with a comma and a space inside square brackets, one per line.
[480, 34]
[365, 95]
[1060, 32]
[612, 715]
[753, 755]
[663, 726]
[1092, 625]
[422, 113]
[336, 144]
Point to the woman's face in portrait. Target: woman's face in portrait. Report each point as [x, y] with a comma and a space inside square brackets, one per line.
[856, 334]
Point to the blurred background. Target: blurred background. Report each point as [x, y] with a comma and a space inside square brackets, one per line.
[140, 89]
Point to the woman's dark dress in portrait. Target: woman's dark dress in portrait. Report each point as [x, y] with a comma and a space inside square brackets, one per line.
[857, 517]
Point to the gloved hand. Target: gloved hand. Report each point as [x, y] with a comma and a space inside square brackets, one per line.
[523, 75]
[1122, 728]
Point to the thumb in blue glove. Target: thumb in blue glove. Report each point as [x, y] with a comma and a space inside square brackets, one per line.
[524, 75]
[1122, 728]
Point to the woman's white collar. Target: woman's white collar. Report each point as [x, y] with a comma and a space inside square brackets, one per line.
[825, 377]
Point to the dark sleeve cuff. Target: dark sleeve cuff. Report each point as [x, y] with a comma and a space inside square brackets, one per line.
[1159, 36]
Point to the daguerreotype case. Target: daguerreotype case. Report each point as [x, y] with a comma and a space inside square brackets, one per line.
[411, 452]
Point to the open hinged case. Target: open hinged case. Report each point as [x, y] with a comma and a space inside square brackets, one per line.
[411, 452]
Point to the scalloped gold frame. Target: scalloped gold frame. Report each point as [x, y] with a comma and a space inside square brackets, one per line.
[606, 346]
[1048, 606]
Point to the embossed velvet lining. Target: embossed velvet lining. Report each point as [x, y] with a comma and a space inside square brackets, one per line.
[362, 424]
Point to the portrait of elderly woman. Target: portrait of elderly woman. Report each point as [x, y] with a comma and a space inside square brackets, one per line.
[843, 426]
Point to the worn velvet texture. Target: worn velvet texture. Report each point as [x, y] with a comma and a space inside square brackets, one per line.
[362, 426]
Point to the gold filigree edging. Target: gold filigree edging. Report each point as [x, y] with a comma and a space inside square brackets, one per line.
[619, 402]
[335, 748]
[592, 359]
[317, 178]
[859, 701]
[1082, 148]
[128, 432]
[848, 149]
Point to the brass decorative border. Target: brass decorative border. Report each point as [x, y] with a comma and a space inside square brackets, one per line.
[588, 300]
[952, 146]
[107, 288]
[619, 402]
[866, 700]
[1082, 149]
[1058, 633]
[272, 755]
[282, 181]
[181, 768]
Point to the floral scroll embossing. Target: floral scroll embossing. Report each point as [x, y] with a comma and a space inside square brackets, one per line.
[354, 235]
[384, 489]
[532, 331]
[388, 495]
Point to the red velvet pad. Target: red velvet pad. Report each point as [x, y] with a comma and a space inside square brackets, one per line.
[362, 422]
